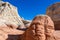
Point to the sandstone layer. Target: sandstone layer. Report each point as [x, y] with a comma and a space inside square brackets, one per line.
[9, 12]
[9, 22]
[54, 12]
[7, 32]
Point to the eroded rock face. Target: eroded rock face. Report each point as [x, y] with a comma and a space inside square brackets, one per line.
[41, 28]
[9, 22]
[9, 12]
[54, 12]
[8, 31]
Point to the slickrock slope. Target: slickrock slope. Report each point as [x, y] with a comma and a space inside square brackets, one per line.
[7, 32]
[9, 22]
[41, 28]
[9, 13]
[54, 12]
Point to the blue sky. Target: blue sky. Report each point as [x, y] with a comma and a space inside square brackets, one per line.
[28, 9]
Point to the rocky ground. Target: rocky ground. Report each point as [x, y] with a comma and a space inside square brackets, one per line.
[42, 27]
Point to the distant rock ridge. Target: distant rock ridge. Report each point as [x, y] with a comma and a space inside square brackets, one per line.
[54, 12]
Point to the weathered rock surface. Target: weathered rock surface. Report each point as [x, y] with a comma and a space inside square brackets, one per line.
[9, 13]
[41, 28]
[57, 35]
[54, 12]
[9, 22]
[8, 31]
